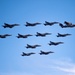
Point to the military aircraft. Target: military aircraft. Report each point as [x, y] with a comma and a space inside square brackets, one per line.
[9, 25]
[66, 26]
[27, 54]
[45, 53]
[32, 46]
[62, 35]
[42, 34]
[23, 36]
[55, 43]
[50, 23]
[68, 23]
[32, 24]
[4, 36]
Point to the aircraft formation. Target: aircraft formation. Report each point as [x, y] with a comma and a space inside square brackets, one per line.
[65, 25]
[38, 34]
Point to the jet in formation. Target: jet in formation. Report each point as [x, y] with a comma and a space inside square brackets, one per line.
[68, 23]
[55, 43]
[31, 24]
[50, 23]
[42, 34]
[66, 26]
[63, 35]
[32, 46]
[23, 36]
[27, 54]
[9, 25]
[45, 53]
[4, 36]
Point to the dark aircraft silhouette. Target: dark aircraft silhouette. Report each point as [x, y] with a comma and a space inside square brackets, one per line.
[62, 35]
[66, 26]
[68, 23]
[27, 54]
[32, 24]
[32, 46]
[9, 25]
[55, 43]
[4, 36]
[50, 23]
[23, 36]
[45, 53]
[42, 34]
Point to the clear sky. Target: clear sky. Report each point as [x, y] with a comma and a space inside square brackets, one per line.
[62, 62]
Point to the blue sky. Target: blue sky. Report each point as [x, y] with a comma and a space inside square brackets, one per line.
[62, 62]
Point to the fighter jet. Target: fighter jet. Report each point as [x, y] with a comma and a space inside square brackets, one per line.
[45, 53]
[50, 23]
[55, 43]
[23, 36]
[62, 35]
[9, 25]
[66, 26]
[68, 23]
[42, 34]
[32, 46]
[31, 24]
[27, 54]
[4, 36]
